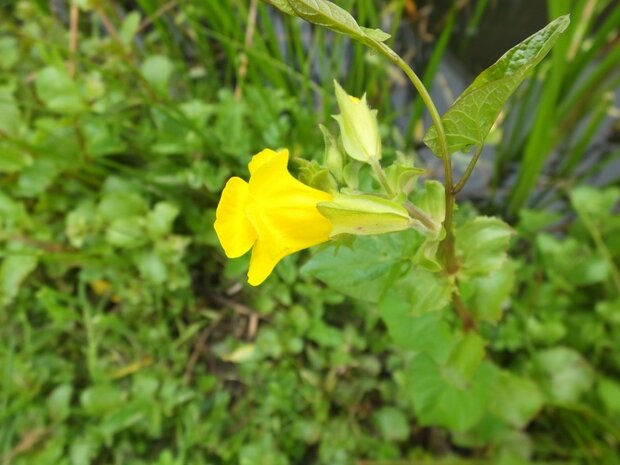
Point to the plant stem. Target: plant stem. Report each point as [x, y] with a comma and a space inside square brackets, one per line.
[422, 217]
[448, 243]
[469, 322]
[378, 170]
[470, 168]
[447, 246]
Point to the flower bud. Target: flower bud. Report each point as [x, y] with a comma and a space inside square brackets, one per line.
[358, 127]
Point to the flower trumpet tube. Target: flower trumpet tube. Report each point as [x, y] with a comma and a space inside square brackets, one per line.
[273, 214]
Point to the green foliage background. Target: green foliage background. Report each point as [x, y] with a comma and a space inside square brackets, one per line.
[127, 338]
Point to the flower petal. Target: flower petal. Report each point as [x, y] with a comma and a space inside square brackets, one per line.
[262, 263]
[283, 212]
[263, 157]
[232, 225]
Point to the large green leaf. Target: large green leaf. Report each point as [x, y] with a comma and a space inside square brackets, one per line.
[485, 296]
[565, 375]
[410, 329]
[439, 400]
[481, 246]
[419, 292]
[470, 118]
[516, 400]
[364, 269]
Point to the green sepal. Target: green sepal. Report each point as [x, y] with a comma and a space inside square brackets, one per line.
[351, 174]
[433, 200]
[364, 214]
[402, 178]
[426, 255]
[315, 175]
[333, 158]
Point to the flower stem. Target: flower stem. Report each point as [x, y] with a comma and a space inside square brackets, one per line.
[378, 170]
[418, 214]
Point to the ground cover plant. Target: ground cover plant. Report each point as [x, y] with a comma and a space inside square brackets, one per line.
[126, 336]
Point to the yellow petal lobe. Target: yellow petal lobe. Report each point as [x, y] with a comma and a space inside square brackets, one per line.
[232, 226]
[263, 157]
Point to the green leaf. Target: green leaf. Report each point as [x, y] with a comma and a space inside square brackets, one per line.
[157, 70]
[595, 203]
[100, 138]
[15, 268]
[59, 402]
[327, 14]
[392, 423]
[569, 263]
[419, 292]
[564, 374]
[609, 392]
[9, 52]
[376, 34]
[485, 295]
[127, 233]
[129, 27]
[367, 267]
[465, 358]
[428, 333]
[58, 91]
[150, 265]
[439, 401]
[470, 118]
[101, 398]
[282, 5]
[159, 221]
[121, 204]
[10, 114]
[516, 400]
[13, 158]
[481, 246]
[261, 452]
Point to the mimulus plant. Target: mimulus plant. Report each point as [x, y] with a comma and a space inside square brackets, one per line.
[438, 280]
[276, 215]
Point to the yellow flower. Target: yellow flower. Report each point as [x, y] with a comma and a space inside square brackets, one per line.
[274, 214]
